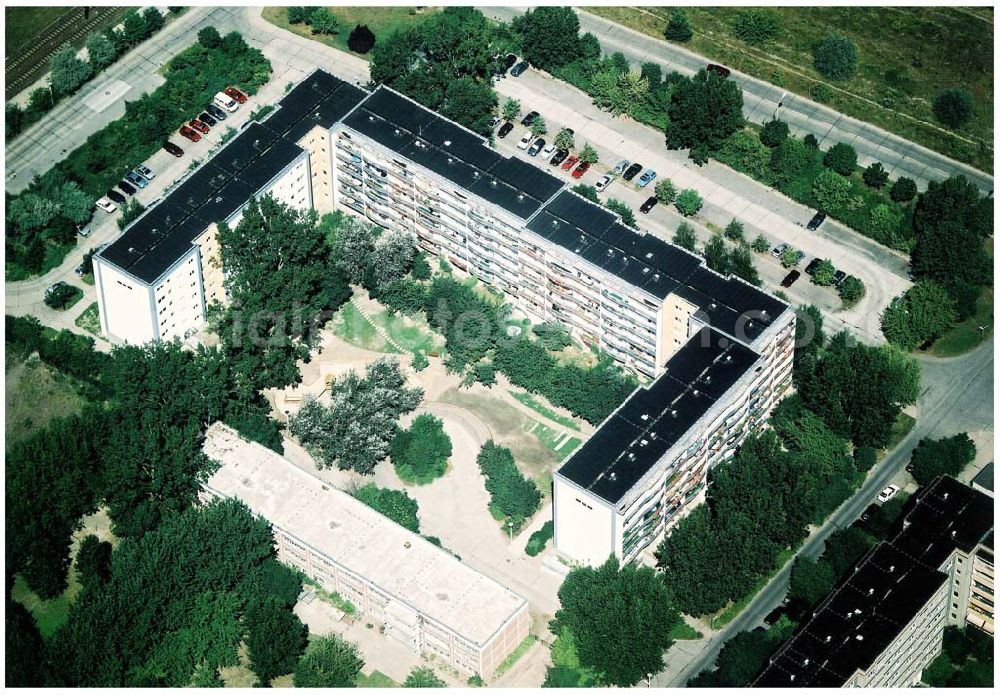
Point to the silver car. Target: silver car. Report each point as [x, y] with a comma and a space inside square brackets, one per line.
[621, 166]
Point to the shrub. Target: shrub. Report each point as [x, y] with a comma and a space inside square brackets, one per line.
[842, 159]
[678, 27]
[60, 296]
[875, 176]
[324, 22]
[665, 191]
[774, 133]
[734, 231]
[538, 540]
[811, 142]
[953, 107]
[836, 58]
[298, 15]
[393, 504]
[420, 454]
[588, 154]
[419, 362]
[903, 190]
[851, 291]
[865, 458]
[685, 237]
[754, 25]
[615, 205]
[361, 39]
[688, 202]
[831, 191]
[761, 244]
[588, 192]
[823, 275]
[513, 496]
[821, 92]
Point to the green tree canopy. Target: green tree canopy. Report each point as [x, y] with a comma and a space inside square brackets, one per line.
[328, 662]
[946, 456]
[842, 159]
[685, 236]
[688, 202]
[704, 111]
[549, 36]
[678, 26]
[953, 107]
[423, 677]
[420, 453]
[836, 57]
[922, 313]
[275, 638]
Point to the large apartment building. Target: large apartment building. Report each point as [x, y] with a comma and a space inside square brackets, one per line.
[884, 623]
[718, 349]
[416, 592]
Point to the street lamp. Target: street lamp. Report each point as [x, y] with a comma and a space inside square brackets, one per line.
[510, 530]
[649, 680]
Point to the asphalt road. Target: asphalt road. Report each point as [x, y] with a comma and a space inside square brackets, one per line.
[761, 102]
[957, 396]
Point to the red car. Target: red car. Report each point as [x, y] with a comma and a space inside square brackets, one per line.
[236, 94]
[581, 170]
[570, 161]
[189, 134]
[199, 126]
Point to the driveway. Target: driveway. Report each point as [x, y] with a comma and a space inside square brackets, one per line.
[727, 195]
[763, 101]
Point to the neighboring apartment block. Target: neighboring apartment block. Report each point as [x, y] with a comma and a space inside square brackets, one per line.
[415, 591]
[883, 624]
[719, 350]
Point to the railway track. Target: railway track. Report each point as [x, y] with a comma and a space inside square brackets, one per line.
[25, 68]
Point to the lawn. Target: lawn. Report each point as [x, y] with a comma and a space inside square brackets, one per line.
[683, 631]
[90, 319]
[518, 652]
[383, 21]
[351, 325]
[25, 23]
[906, 56]
[967, 335]
[55, 254]
[900, 428]
[36, 394]
[560, 443]
[413, 334]
[375, 679]
[546, 412]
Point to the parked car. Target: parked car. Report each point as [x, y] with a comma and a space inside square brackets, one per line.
[813, 265]
[791, 278]
[505, 129]
[778, 250]
[509, 61]
[838, 277]
[650, 203]
[519, 69]
[718, 70]
[604, 182]
[527, 120]
[78, 271]
[189, 134]
[495, 121]
[869, 510]
[236, 94]
[145, 172]
[816, 221]
[558, 157]
[224, 101]
[105, 204]
[581, 170]
[621, 166]
[115, 196]
[83, 229]
[888, 493]
[54, 287]
[205, 118]
[646, 178]
[570, 162]
[217, 113]
[632, 171]
[549, 150]
[173, 149]
[126, 187]
[536, 147]
[136, 180]
[525, 141]
[199, 126]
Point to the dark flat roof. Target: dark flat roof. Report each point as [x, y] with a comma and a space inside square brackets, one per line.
[984, 478]
[320, 99]
[654, 418]
[452, 152]
[660, 268]
[884, 591]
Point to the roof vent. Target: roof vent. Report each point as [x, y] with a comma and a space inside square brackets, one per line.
[806, 662]
[673, 412]
[656, 276]
[371, 119]
[857, 611]
[695, 392]
[256, 143]
[631, 456]
[792, 678]
[613, 476]
[645, 416]
[652, 435]
[708, 378]
[643, 442]
[649, 254]
[944, 496]
[871, 592]
[729, 358]
[712, 306]
[611, 252]
[131, 249]
[645, 271]
[520, 196]
[749, 324]
[475, 174]
[828, 639]
[493, 182]
[451, 160]
[218, 199]
[953, 533]
[764, 313]
[859, 638]
[447, 143]
[396, 131]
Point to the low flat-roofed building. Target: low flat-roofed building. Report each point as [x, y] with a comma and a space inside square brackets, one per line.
[421, 594]
[984, 480]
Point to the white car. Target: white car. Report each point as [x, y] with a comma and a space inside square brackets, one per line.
[145, 172]
[525, 141]
[604, 182]
[549, 151]
[106, 205]
[888, 493]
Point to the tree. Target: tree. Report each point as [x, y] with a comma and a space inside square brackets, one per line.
[552, 335]
[652, 72]
[511, 494]
[394, 504]
[423, 677]
[153, 19]
[324, 22]
[831, 191]
[734, 231]
[685, 236]
[100, 51]
[716, 255]
[741, 658]
[774, 133]
[665, 191]
[947, 456]
[361, 39]
[549, 36]
[688, 202]
[760, 244]
[754, 25]
[810, 581]
[130, 212]
[209, 38]
[134, 28]
[14, 122]
[620, 618]
[615, 205]
[842, 159]
[67, 71]
[809, 340]
[275, 639]
[538, 127]
[60, 296]
[851, 290]
[903, 190]
[351, 243]
[875, 175]
[953, 107]
[564, 139]
[329, 662]
[678, 27]
[741, 265]
[836, 57]
[939, 672]
[824, 273]
[619, 92]
[420, 453]
[704, 111]
[93, 560]
[588, 154]
[470, 103]
[918, 316]
[391, 256]
[30, 212]
[299, 15]
[512, 109]
[588, 192]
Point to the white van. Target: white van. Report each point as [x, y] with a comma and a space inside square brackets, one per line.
[224, 101]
